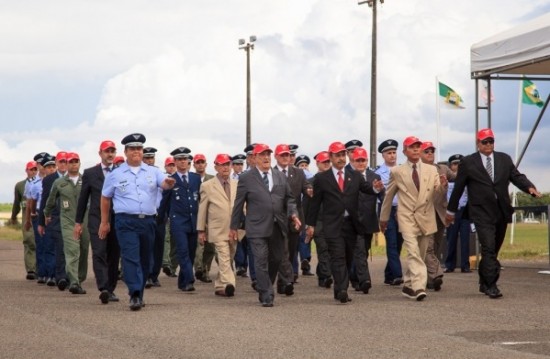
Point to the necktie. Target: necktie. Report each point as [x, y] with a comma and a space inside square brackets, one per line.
[106, 169]
[227, 189]
[340, 181]
[489, 167]
[415, 177]
[184, 179]
[266, 180]
[284, 172]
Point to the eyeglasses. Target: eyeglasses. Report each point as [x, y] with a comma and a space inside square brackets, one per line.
[74, 161]
[428, 151]
[488, 141]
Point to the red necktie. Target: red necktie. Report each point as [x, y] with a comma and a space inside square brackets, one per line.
[340, 181]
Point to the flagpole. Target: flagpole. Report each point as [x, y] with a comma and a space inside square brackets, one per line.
[438, 114]
[514, 189]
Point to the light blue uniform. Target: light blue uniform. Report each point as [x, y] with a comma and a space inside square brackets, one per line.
[134, 194]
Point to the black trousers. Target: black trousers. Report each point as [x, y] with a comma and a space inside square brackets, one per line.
[105, 259]
[359, 272]
[490, 236]
[341, 251]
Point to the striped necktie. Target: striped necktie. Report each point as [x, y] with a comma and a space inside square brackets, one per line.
[266, 180]
[489, 168]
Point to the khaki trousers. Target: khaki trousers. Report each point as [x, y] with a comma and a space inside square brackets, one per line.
[226, 253]
[415, 276]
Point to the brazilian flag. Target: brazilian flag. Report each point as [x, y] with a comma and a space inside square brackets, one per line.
[530, 94]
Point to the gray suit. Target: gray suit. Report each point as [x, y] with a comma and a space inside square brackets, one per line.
[266, 223]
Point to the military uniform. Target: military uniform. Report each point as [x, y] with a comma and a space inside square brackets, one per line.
[29, 246]
[75, 251]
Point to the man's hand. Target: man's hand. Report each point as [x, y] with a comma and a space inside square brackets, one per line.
[27, 225]
[202, 237]
[443, 180]
[297, 223]
[233, 235]
[449, 219]
[383, 226]
[41, 230]
[378, 185]
[169, 183]
[48, 220]
[104, 229]
[533, 192]
[77, 231]
[310, 231]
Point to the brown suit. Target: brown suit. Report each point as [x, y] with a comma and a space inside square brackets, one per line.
[215, 212]
[415, 215]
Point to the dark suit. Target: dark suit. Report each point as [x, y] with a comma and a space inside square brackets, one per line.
[298, 185]
[340, 217]
[53, 240]
[105, 252]
[181, 204]
[488, 205]
[266, 223]
[368, 218]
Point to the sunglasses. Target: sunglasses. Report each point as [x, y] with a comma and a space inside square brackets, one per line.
[428, 151]
[489, 141]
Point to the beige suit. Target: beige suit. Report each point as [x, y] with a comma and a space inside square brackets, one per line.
[415, 215]
[215, 213]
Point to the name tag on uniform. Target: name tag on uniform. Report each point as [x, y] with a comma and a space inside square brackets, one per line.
[65, 204]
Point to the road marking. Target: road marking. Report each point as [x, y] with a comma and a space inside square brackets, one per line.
[519, 343]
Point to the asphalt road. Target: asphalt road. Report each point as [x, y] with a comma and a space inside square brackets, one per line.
[457, 322]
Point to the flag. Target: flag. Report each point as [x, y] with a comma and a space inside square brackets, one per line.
[530, 94]
[450, 97]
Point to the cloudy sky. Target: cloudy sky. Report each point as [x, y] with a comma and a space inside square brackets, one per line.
[74, 73]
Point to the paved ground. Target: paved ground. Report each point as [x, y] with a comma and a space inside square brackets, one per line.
[458, 322]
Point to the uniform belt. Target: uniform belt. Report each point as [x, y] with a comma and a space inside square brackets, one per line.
[139, 216]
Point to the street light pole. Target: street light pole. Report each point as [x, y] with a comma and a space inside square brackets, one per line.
[243, 45]
[372, 4]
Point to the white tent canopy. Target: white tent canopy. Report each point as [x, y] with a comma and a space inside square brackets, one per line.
[524, 49]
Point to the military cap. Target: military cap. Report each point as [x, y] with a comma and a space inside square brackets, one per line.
[181, 152]
[238, 159]
[38, 157]
[249, 149]
[388, 145]
[302, 158]
[47, 160]
[293, 149]
[133, 140]
[455, 158]
[352, 144]
[149, 152]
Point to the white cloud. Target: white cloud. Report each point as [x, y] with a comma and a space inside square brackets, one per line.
[177, 76]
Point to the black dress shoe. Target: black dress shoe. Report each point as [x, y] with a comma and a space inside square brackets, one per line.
[307, 273]
[438, 281]
[229, 290]
[113, 297]
[156, 283]
[76, 289]
[365, 286]
[343, 297]
[31, 276]
[149, 283]
[188, 288]
[254, 284]
[267, 304]
[328, 283]
[167, 271]
[135, 304]
[62, 284]
[466, 270]
[104, 296]
[305, 266]
[493, 292]
[240, 271]
[396, 281]
[289, 289]
[198, 274]
[41, 280]
[51, 282]
[483, 288]
[205, 278]
[448, 270]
